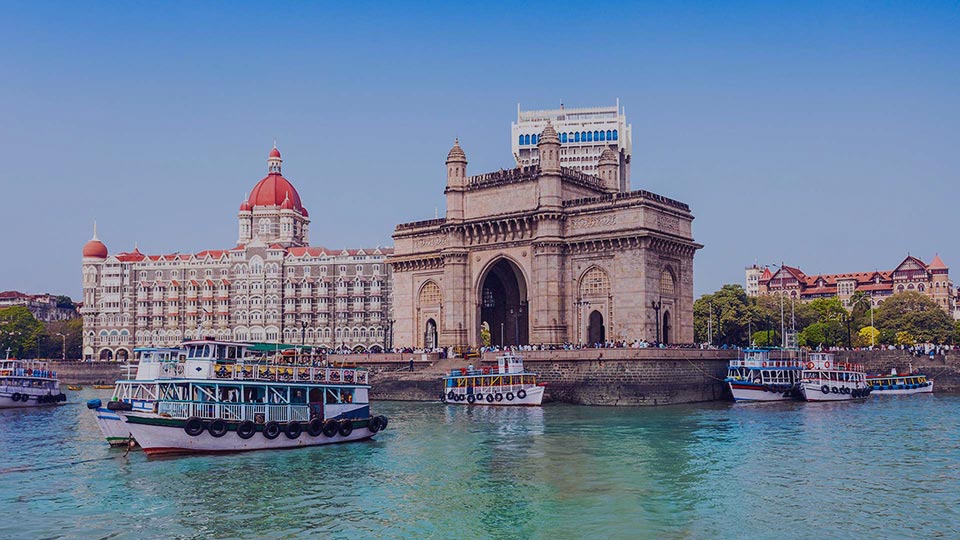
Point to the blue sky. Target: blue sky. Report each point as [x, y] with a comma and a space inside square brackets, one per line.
[821, 134]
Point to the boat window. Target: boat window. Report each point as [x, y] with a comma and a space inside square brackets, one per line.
[298, 395]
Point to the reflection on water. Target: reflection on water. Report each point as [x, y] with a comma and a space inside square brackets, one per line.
[887, 468]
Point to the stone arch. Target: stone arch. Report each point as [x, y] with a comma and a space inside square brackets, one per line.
[430, 334]
[596, 331]
[594, 282]
[502, 302]
[430, 294]
[667, 328]
[668, 282]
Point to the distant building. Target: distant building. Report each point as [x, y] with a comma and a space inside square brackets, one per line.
[273, 286]
[584, 135]
[912, 274]
[44, 307]
[753, 280]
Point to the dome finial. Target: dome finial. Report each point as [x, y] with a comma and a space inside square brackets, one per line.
[95, 230]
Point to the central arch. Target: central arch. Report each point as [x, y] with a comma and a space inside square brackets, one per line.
[503, 304]
[596, 333]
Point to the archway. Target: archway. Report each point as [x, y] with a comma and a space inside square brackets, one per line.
[596, 332]
[430, 334]
[503, 304]
[666, 327]
[106, 355]
[122, 355]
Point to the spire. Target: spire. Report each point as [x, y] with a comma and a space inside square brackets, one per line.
[456, 153]
[95, 231]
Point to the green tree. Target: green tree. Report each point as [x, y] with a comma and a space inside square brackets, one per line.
[918, 315]
[728, 312]
[52, 344]
[19, 332]
[905, 338]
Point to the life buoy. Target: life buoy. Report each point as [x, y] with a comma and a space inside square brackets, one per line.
[499, 397]
[844, 390]
[521, 393]
[374, 424]
[443, 397]
[809, 365]
[489, 398]
[217, 428]
[451, 395]
[509, 396]
[825, 389]
[15, 396]
[246, 429]
[346, 427]
[834, 389]
[764, 364]
[330, 428]
[271, 430]
[192, 427]
[826, 364]
[315, 427]
[384, 421]
[479, 396]
[294, 429]
[471, 399]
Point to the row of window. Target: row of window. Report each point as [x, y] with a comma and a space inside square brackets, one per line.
[573, 136]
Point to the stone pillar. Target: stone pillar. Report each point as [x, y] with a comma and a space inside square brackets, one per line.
[546, 293]
[459, 305]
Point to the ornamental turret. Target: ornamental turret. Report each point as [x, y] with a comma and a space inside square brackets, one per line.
[608, 169]
[456, 181]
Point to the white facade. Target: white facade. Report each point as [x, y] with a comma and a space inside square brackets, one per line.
[584, 134]
[753, 274]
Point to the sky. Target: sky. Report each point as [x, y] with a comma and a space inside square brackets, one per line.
[822, 134]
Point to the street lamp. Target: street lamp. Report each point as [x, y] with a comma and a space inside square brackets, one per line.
[303, 332]
[873, 328]
[656, 305]
[64, 346]
[580, 304]
[390, 333]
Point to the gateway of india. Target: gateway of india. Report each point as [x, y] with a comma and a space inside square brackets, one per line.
[553, 251]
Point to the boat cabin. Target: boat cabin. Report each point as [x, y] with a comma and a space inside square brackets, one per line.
[155, 362]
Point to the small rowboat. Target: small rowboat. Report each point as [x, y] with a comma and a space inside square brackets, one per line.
[103, 386]
[74, 387]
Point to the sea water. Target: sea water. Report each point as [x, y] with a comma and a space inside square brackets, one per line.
[888, 467]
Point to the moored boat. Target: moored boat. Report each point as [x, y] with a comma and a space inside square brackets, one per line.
[825, 379]
[757, 377]
[506, 384]
[227, 402]
[28, 384]
[895, 384]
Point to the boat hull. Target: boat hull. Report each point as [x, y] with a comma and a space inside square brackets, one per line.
[157, 440]
[746, 393]
[7, 401]
[533, 398]
[905, 391]
[813, 391]
[113, 427]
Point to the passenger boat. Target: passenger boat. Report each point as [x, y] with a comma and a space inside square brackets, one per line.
[140, 392]
[28, 384]
[894, 384]
[224, 401]
[757, 377]
[506, 384]
[825, 379]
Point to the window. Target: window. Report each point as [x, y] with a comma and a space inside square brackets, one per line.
[430, 294]
[667, 282]
[595, 283]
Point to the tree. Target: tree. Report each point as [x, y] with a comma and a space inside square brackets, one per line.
[905, 338]
[867, 336]
[728, 313]
[19, 332]
[916, 314]
[52, 344]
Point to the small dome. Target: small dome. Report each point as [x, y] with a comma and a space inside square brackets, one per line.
[456, 153]
[304, 212]
[608, 157]
[287, 203]
[549, 135]
[95, 249]
[245, 206]
[275, 153]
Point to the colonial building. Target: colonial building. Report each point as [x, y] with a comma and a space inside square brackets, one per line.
[544, 254]
[912, 274]
[44, 307]
[584, 135]
[273, 286]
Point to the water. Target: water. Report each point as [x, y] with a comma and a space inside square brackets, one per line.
[887, 468]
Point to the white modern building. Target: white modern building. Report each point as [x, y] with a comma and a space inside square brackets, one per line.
[584, 135]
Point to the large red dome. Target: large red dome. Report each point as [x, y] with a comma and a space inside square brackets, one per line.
[95, 248]
[272, 190]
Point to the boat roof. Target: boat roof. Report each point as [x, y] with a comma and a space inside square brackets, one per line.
[215, 342]
[157, 349]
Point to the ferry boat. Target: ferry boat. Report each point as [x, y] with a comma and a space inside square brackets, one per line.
[140, 392]
[506, 384]
[894, 384]
[225, 401]
[756, 377]
[825, 379]
[28, 384]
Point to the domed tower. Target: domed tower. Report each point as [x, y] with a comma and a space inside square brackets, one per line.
[609, 170]
[94, 250]
[456, 181]
[549, 179]
[273, 211]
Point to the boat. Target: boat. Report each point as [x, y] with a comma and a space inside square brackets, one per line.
[506, 384]
[895, 384]
[28, 384]
[74, 387]
[825, 379]
[221, 400]
[104, 386]
[757, 377]
[140, 392]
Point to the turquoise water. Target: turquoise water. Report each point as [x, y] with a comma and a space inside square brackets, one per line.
[886, 468]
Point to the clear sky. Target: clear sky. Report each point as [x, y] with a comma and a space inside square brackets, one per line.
[821, 134]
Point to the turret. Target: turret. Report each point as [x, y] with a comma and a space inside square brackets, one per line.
[609, 170]
[456, 181]
[549, 178]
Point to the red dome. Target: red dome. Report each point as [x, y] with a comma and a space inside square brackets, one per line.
[96, 249]
[245, 206]
[304, 212]
[275, 153]
[272, 190]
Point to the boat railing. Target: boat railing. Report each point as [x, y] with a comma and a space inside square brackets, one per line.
[755, 363]
[39, 373]
[281, 373]
[258, 412]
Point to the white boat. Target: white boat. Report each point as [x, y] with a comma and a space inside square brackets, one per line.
[506, 384]
[140, 392]
[28, 384]
[757, 377]
[895, 385]
[825, 379]
[226, 402]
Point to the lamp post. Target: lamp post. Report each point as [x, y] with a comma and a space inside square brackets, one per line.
[580, 304]
[390, 333]
[872, 328]
[656, 305]
[64, 356]
[710, 323]
[303, 333]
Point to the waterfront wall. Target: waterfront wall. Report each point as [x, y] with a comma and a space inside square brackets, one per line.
[86, 372]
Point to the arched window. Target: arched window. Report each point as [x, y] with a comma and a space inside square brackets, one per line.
[920, 287]
[596, 135]
[668, 284]
[614, 134]
[603, 136]
[609, 135]
[430, 295]
[900, 288]
[521, 140]
[594, 283]
[563, 137]
[589, 136]
[576, 137]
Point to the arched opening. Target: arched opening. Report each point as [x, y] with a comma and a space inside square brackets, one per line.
[503, 304]
[666, 327]
[430, 334]
[106, 355]
[596, 333]
[122, 355]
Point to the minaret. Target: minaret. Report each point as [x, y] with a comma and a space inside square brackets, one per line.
[456, 181]
[245, 219]
[609, 170]
[548, 146]
[274, 161]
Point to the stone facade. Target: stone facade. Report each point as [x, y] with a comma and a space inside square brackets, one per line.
[544, 254]
[271, 287]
